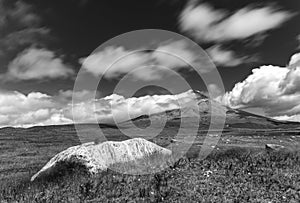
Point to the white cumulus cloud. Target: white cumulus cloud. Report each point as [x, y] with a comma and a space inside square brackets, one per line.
[117, 108]
[18, 109]
[36, 108]
[274, 89]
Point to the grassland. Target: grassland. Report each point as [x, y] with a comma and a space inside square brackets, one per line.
[238, 170]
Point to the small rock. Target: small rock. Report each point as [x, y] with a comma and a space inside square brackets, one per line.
[274, 147]
[207, 173]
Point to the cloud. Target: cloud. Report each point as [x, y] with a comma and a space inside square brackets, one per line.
[112, 62]
[295, 60]
[20, 31]
[225, 57]
[175, 54]
[207, 24]
[214, 90]
[20, 26]
[35, 108]
[121, 109]
[274, 89]
[288, 118]
[36, 63]
[78, 96]
[19, 15]
[298, 40]
[15, 102]
[26, 37]
[17, 109]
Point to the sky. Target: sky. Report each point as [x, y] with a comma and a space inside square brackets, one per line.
[44, 44]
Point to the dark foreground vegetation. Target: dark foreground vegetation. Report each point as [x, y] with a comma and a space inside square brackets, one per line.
[232, 175]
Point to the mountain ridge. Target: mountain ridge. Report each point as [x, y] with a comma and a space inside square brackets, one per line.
[235, 118]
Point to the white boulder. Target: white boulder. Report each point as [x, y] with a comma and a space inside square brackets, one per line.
[98, 157]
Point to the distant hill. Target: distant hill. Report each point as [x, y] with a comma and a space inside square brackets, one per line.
[235, 118]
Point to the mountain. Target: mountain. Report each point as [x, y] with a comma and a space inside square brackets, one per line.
[235, 118]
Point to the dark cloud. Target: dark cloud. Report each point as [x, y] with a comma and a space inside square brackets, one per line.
[20, 28]
[16, 16]
[23, 38]
[36, 64]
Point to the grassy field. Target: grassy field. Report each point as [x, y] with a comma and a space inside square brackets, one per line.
[233, 175]
[238, 170]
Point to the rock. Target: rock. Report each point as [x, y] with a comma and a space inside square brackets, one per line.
[274, 147]
[98, 157]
